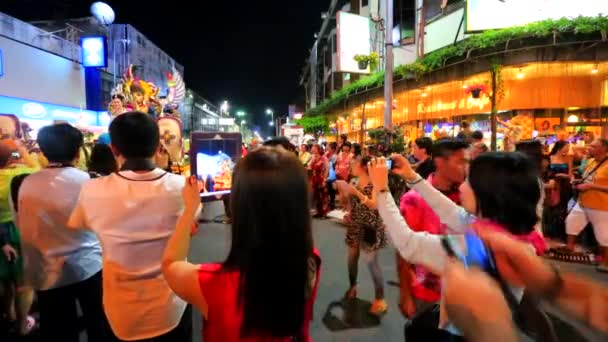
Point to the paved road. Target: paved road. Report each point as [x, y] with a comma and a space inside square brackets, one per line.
[212, 243]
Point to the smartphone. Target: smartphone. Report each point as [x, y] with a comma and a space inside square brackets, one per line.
[389, 163]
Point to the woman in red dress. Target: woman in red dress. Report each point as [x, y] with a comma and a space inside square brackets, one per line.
[320, 170]
[266, 288]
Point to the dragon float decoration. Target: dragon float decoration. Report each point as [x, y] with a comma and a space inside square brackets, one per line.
[142, 96]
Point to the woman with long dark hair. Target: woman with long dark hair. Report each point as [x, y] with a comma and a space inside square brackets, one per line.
[365, 232]
[265, 289]
[500, 195]
[560, 191]
[102, 161]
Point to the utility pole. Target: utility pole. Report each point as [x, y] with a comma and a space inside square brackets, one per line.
[388, 65]
[493, 114]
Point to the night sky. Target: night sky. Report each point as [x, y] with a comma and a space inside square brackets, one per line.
[247, 52]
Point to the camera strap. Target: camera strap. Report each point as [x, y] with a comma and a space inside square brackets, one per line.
[592, 172]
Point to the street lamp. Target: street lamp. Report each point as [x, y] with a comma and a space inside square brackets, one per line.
[241, 113]
[224, 107]
[243, 122]
[271, 113]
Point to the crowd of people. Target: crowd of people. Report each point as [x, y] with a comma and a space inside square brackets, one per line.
[113, 241]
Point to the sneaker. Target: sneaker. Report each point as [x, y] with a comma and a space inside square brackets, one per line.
[379, 307]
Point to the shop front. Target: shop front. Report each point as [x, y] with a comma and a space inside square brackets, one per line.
[544, 98]
[39, 114]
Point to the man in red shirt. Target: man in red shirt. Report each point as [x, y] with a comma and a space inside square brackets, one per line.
[419, 287]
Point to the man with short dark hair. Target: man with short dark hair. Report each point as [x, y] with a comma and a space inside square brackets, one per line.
[465, 132]
[419, 287]
[477, 137]
[134, 212]
[422, 150]
[63, 266]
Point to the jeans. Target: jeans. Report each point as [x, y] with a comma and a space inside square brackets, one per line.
[374, 268]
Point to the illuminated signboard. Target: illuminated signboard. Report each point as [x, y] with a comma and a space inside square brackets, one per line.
[226, 121]
[46, 113]
[354, 38]
[94, 54]
[494, 14]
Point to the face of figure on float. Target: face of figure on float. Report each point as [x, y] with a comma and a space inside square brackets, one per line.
[116, 107]
[138, 97]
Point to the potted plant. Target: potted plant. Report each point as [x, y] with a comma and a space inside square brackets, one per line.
[371, 61]
[362, 60]
[476, 90]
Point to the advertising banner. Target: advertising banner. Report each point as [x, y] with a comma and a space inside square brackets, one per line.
[354, 38]
[494, 14]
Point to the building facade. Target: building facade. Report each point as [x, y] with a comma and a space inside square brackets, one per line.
[42, 79]
[201, 115]
[321, 76]
[126, 46]
[549, 75]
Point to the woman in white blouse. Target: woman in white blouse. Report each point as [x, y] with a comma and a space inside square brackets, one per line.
[500, 222]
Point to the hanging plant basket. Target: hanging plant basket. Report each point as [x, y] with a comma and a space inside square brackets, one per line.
[363, 65]
[476, 90]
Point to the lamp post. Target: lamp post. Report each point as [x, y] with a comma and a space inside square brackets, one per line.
[272, 123]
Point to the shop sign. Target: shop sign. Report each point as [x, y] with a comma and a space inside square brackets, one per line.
[31, 110]
[462, 106]
[94, 54]
[226, 121]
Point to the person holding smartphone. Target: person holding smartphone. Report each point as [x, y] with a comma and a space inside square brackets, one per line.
[513, 254]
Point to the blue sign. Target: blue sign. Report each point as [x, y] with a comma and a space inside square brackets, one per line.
[1, 64]
[46, 113]
[94, 52]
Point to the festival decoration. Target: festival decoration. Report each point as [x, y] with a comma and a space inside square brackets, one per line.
[145, 96]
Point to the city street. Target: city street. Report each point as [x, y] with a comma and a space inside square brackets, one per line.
[211, 243]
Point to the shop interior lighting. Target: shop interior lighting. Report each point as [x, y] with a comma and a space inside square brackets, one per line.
[520, 74]
[424, 94]
[573, 119]
[595, 69]
[464, 86]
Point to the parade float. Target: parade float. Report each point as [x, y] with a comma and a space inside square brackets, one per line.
[134, 94]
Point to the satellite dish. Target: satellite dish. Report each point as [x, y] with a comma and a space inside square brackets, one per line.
[103, 12]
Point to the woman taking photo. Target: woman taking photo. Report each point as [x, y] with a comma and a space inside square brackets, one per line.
[559, 177]
[266, 288]
[498, 199]
[365, 232]
[320, 171]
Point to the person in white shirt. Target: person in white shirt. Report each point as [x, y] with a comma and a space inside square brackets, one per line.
[62, 265]
[134, 212]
